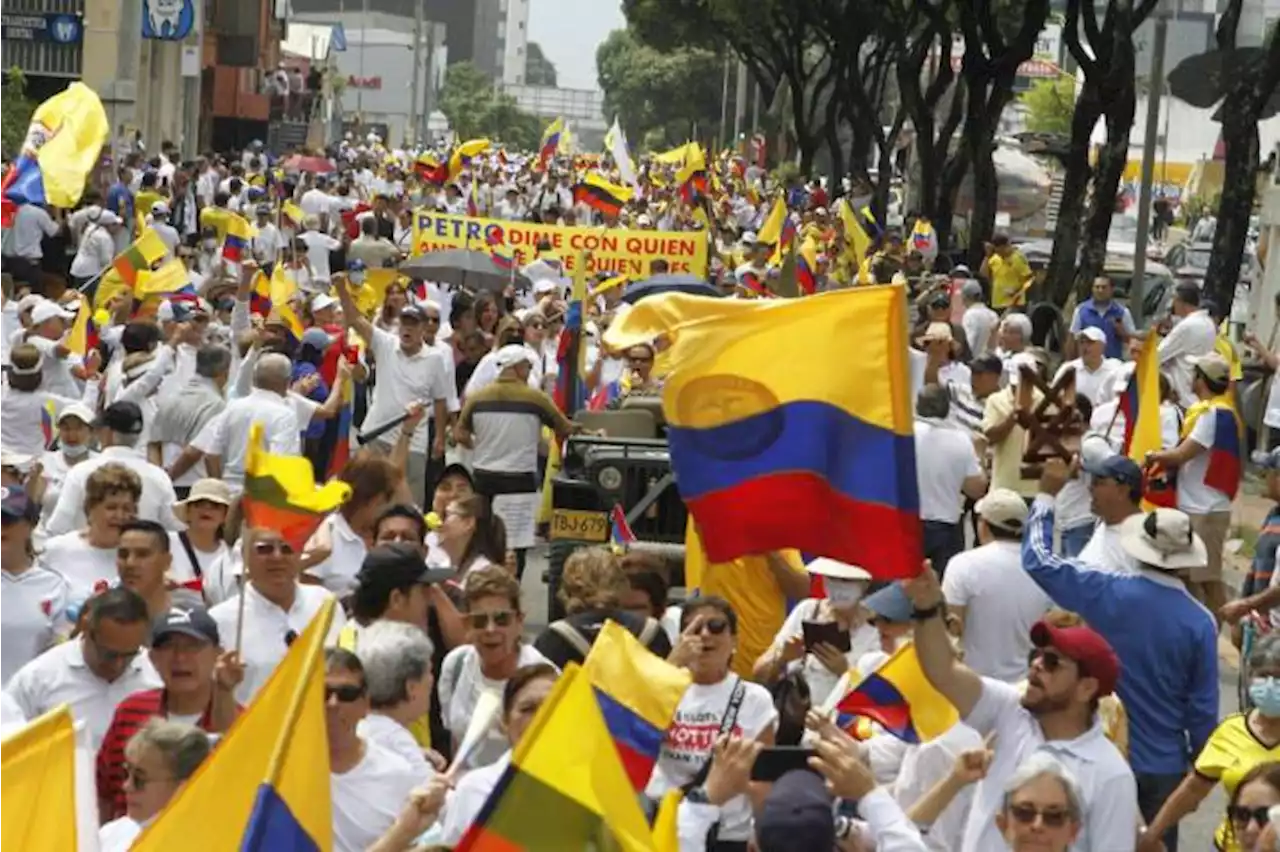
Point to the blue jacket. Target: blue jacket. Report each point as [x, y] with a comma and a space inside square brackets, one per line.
[1166, 640]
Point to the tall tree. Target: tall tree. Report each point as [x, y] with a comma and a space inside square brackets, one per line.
[538, 70]
[668, 91]
[15, 112]
[1252, 86]
[775, 38]
[475, 109]
[1104, 51]
[1050, 105]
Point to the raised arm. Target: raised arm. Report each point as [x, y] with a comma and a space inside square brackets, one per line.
[959, 684]
[351, 316]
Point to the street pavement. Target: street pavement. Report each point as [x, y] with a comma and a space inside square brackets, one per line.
[1196, 832]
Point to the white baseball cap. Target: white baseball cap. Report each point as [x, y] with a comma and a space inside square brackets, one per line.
[1092, 332]
[47, 310]
[511, 355]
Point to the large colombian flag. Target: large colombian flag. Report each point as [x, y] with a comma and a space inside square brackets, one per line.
[773, 444]
[900, 697]
[599, 194]
[280, 492]
[265, 788]
[565, 788]
[638, 694]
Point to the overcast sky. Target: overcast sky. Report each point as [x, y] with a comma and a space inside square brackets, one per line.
[569, 31]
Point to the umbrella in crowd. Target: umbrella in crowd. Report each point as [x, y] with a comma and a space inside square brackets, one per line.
[304, 163]
[474, 269]
[690, 285]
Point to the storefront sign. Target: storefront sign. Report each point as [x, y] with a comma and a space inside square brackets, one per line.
[55, 27]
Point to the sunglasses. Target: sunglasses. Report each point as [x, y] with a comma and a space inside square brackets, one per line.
[1050, 661]
[1052, 817]
[715, 626]
[1243, 816]
[481, 620]
[269, 548]
[108, 655]
[346, 693]
[139, 780]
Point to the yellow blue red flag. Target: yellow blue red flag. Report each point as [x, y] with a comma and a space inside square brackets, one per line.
[900, 697]
[63, 142]
[770, 456]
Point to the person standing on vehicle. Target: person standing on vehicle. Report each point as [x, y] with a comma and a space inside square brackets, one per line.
[1105, 313]
[1191, 336]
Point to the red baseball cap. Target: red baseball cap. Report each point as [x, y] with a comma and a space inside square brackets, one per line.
[1092, 653]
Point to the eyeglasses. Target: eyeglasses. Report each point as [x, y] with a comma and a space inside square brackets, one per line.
[431, 319]
[1049, 660]
[1026, 814]
[269, 548]
[110, 655]
[1243, 816]
[139, 780]
[346, 693]
[481, 620]
[535, 325]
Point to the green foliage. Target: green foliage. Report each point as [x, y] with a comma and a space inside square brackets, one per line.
[538, 70]
[1050, 105]
[476, 108]
[659, 94]
[15, 112]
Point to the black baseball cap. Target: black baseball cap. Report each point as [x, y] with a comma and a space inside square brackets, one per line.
[396, 565]
[1120, 468]
[124, 417]
[796, 814]
[189, 621]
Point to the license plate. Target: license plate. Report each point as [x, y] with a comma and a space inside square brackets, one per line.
[579, 525]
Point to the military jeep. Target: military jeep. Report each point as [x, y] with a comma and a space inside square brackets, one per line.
[628, 466]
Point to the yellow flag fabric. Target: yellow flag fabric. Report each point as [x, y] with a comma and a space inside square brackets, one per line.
[370, 295]
[900, 697]
[1143, 394]
[73, 127]
[675, 155]
[464, 151]
[78, 340]
[694, 161]
[856, 238]
[771, 231]
[169, 278]
[38, 784]
[279, 742]
[110, 285]
[292, 213]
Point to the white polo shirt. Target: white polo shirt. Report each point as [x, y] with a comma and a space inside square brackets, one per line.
[32, 615]
[368, 797]
[1111, 817]
[156, 503]
[402, 379]
[346, 554]
[1097, 386]
[266, 628]
[945, 458]
[61, 676]
[227, 435]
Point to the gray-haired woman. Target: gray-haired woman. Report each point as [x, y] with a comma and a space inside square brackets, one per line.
[158, 759]
[397, 669]
[1041, 809]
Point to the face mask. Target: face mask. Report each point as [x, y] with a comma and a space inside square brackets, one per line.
[1264, 692]
[75, 451]
[843, 592]
[357, 278]
[210, 245]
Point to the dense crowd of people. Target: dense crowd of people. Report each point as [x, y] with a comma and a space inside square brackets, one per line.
[1075, 631]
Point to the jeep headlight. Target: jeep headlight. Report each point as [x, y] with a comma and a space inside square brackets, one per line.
[609, 478]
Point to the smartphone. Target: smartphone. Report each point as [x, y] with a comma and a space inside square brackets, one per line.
[772, 763]
[825, 631]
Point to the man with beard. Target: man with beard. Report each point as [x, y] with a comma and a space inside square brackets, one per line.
[1071, 670]
[1170, 686]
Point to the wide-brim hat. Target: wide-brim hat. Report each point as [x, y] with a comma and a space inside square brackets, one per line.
[204, 491]
[824, 567]
[1163, 539]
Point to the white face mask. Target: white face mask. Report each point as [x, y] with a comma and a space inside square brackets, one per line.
[210, 245]
[843, 593]
[75, 451]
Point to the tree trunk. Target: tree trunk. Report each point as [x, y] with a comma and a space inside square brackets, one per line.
[1111, 162]
[953, 172]
[1239, 185]
[1061, 278]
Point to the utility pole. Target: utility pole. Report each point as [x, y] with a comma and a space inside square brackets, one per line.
[740, 103]
[429, 82]
[415, 87]
[724, 102]
[1154, 88]
[191, 85]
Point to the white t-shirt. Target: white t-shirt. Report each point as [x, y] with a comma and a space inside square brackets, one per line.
[979, 322]
[402, 379]
[391, 735]
[459, 687]
[945, 458]
[346, 554]
[318, 247]
[1001, 603]
[119, 834]
[1104, 552]
[1097, 386]
[33, 608]
[925, 765]
[1189, 339]
[1194, 496]
[821, 681]
[180, 568]
[463, 803]
[88, 569]
[368, 797]
[688, 742]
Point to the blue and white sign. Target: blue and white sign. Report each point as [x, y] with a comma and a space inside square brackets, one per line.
[338, 40]
[169, 20]
[53, 27]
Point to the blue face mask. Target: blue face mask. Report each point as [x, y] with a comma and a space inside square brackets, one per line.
[1264, 692]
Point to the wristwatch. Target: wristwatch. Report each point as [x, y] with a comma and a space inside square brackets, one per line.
[926, 614]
